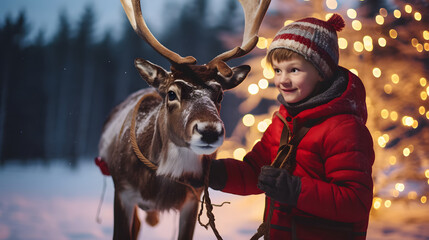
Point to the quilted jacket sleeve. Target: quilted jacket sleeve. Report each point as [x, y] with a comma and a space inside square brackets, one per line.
[243, 175]
[347, 190]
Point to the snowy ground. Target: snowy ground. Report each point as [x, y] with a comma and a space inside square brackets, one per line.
[56, 202]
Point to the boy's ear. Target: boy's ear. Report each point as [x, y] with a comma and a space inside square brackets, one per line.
[153, 74]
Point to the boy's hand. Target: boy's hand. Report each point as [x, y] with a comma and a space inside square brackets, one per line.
[279, 185]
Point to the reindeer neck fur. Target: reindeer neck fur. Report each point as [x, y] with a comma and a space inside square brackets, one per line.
[174, 157]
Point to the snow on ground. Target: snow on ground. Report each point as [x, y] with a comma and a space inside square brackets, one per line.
[56, 202]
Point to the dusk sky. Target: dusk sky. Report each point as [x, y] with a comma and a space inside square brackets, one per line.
[43, 14]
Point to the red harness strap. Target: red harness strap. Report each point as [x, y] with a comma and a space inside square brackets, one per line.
[102, 165]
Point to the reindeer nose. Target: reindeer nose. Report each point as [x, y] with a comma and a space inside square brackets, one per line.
[209, 133]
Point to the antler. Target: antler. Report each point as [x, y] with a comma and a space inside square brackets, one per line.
[254, 11]
[134, 13]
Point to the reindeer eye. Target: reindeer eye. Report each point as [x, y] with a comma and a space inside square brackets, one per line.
[172, 96]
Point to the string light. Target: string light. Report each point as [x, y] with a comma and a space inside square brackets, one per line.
[342, 43]
[417, 16]
[394, 115]
[253, 89]
[376, 72]
[262, 126]
[388, 88]
[379, 19]
[423, 81]
[400, 187]
[406, 152]
[383, 12]
[356, 25]
[248, 120]
[367, 43]
[268, 73]
[388, 203]
[384, 113]
[393, 34]
[392, 160]
[412, 195]
[239, 153]
[358, 46]
[262, 43]
[351, 13]
[395, 78]
[426, 35]
[331, 4]
[377, 203]
[422, 110]
[397, 13]
[423, 95]
[382, 42]
[423, 199]
[408, 8]
[263, 83]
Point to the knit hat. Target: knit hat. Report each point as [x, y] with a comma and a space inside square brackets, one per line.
[316, 40]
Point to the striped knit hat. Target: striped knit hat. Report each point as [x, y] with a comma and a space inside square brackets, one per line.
[315, 40]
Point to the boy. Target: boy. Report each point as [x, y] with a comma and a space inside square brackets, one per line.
[326, 189]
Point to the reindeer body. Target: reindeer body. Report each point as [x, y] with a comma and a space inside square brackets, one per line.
[175, 125]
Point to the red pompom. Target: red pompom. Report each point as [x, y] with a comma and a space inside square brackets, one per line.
[337, 22]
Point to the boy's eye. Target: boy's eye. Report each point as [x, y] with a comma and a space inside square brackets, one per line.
[276, 70]
[294, 70]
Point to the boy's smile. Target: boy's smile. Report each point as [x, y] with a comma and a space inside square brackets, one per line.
[295, 78]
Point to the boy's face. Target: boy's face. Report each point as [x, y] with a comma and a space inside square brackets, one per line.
[295, 78]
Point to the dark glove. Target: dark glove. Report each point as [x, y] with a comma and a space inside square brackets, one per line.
[217, 176]
[280, 185]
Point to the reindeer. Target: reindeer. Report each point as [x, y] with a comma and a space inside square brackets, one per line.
[154, 141]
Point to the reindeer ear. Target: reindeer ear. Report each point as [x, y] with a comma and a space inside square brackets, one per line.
[238, 75]
[153, 74]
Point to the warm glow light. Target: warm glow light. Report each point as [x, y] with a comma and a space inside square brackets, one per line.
[407, 121]
[393, 34]
[328, 16]
[406, 152]
[414, 42]
[400, 187]
[253, 89]
[388, 203]
[358, 46]
[331, 4]
[417, 16]
[264, 62]
[342, 43]
[388, 88]
[415, 124]
[397, 13]
[382, 42]
[427, 173]
[268, 73]
[287, 22]
[395, 78]
[262, 126]
[392, 160]
[426, 34]
[426, 46]
[427, 114]
[384, 113]
[377, 203]
[419, 47]
[263, 83]
[354, 71]
[423, 199]
[262, 43]
[408, 8]
[376, 72]
[356, 25]
[422, 110]
[239, 153]
[367, 42]
[412, 195]
[248, 120]
[423, 81]
[423, 96]
[379, 19]
[427, 90]
[394, 115]
[351, 13]
[395, 193]
[383, 12]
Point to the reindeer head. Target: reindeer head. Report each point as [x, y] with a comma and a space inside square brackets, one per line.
[192, 93]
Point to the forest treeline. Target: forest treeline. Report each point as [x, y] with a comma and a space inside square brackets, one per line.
[56, 93]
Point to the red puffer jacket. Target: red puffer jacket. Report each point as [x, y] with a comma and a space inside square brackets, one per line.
[334, 161]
